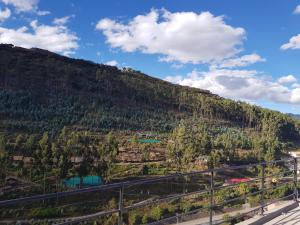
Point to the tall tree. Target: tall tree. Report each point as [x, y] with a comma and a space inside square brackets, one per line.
[107, 153]
[29, 144]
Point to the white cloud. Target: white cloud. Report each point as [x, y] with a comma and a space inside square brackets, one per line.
[294, 43]
[186, 37]
[112, 63]
[242, 61]
[62, 20]
[53, 38]
[287, 79]
[42, 13]
[22, 5]
[4, 14]
[26, 6]
[297, 10]
[174, 79]
[240, 84]
[176, 66]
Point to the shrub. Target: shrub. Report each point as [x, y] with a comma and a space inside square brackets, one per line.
[145, 219]
[172, 209]
[253, 200]
[45, 212]
[186, 207]
[134, 219]
[226, 218]
[156, 213]
[281, 191]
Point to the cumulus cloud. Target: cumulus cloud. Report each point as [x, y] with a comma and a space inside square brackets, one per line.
[294, 43]
[295, 85]
[247, 85]
[186, 37]
[287, 79]
[62, 20]
[26, 6]
[56, 38]
[176, 66]
[22, 5]
[43, 13]
[242, 61]
[4, 14]
[297, 10]
[112, 63]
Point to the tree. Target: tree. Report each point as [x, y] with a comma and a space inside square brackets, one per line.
[214, 160]
[3, 160]
[55, 151]
[63, 134]
[46, 155]
[177, 145]
[2, 143]
[29, 144]
[243, 189]
[107, 153]
[135, 139]
[79, 147]
[64, 163]
[18, 142]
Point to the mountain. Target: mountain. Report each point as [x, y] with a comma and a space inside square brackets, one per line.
[296, 116]
[42, 91]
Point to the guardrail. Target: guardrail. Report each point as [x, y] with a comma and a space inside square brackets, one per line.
[210, 190]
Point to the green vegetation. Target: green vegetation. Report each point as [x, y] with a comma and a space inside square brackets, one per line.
[43, 95]
[62, 117]
[42, 91]
[64, 155]
[191, 141]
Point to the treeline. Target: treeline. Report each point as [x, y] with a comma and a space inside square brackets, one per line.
[194, 141]
[67, 154]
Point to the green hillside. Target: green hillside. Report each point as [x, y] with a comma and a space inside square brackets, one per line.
[42, 91]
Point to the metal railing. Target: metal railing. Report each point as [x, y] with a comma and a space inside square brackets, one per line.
[210, 190]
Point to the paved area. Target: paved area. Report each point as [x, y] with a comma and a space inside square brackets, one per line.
[290, 218]
[216, 218]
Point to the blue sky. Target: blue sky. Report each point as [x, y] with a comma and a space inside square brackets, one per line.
[245, 50]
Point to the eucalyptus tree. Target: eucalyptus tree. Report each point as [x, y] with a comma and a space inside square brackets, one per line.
[106, 156]
[30, 144]
[3, 159]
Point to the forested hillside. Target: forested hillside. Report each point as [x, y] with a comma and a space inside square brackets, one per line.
[42, 91]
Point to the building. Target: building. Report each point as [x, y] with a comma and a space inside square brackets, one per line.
[20, 159]
[76, 160]
[28, 160]
[17, 160]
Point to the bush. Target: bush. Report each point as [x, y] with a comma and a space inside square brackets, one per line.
[281, 191]
[156, 213]
[226, 218]
[145, 219]
[231, 219]
[134, 219]
[253, 200]
[186, 207]
[172, 208]
[45, 212]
